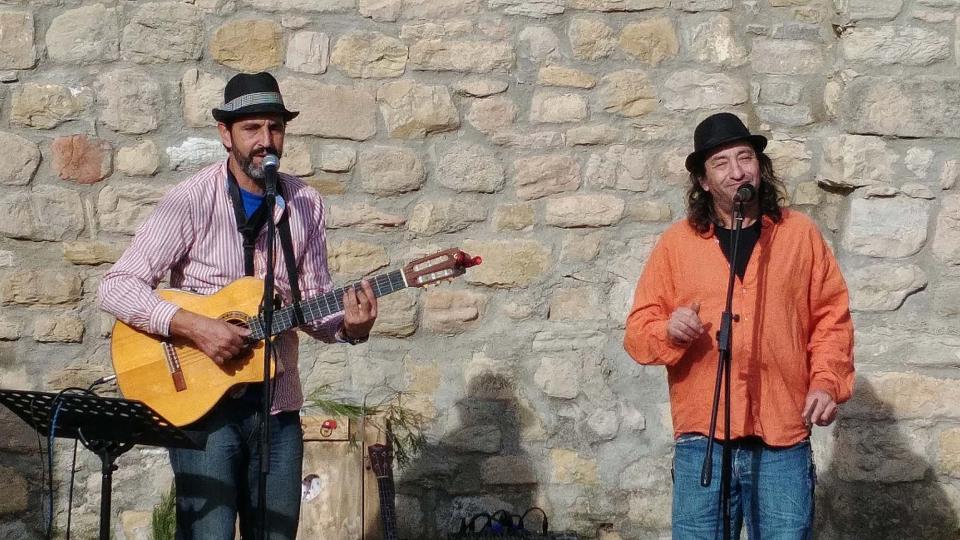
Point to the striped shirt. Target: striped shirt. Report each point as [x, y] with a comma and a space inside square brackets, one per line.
[192, 235]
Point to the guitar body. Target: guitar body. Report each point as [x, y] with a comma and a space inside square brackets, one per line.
[145, 364]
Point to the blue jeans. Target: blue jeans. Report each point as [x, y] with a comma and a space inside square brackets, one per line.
[217, 485]
[771, 489]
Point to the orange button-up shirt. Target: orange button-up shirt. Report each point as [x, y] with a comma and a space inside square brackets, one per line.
[794, 333]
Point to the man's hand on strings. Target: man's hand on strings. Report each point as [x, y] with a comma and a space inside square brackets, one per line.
[359, 311]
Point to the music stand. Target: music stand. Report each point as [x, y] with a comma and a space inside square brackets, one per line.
[106, 426]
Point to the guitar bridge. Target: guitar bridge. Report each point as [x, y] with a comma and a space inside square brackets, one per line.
[173, 364]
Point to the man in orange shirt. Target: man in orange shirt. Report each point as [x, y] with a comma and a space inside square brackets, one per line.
[792, 360]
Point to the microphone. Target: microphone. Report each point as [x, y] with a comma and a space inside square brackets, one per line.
[270, 164]
[746, 193]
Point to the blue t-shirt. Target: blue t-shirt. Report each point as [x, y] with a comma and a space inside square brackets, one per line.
[251, 202]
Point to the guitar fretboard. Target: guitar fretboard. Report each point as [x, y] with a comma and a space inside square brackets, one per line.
[324, 305]
[387, 514]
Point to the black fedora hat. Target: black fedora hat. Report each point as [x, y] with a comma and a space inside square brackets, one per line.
[247, 94]
[717, 130]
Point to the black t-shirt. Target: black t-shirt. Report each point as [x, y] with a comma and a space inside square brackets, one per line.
[748, 240]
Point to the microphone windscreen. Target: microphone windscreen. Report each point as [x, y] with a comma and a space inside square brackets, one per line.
[745, 193]
[271, 161]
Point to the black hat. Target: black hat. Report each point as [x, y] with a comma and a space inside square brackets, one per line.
[717, 130]
[247, 94]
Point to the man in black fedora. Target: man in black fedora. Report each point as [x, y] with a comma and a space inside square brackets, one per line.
[791, 351]
[205, 233]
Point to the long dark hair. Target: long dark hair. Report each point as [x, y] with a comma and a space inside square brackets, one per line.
[700, 212]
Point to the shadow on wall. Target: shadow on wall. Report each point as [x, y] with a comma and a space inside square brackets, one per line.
[20, 511]
[879, 485]
[478, 466]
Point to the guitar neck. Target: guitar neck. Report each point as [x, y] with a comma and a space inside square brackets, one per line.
[325, 305]
[388, 515]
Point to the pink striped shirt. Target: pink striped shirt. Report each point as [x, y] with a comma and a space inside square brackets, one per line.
[192, 234]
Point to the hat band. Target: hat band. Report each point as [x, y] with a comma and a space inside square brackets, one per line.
[256, 98]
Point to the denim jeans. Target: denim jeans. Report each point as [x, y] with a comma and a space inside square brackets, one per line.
[217, 485]
[771, 490]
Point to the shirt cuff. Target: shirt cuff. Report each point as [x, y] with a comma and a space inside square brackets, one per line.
[161, 316]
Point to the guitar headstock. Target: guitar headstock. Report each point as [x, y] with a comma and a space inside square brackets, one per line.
[381, 459]
[442, 265]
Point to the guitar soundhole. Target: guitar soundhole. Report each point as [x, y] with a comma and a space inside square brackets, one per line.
[240, 319]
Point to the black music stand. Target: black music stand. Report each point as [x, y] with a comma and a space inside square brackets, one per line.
[108, 427]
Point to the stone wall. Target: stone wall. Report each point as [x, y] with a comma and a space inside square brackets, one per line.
[546, 136]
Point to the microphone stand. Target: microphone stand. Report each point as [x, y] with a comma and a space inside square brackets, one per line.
[266, 310]
[724, 338]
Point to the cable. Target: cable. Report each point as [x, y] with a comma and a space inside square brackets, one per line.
[55, 407]
[43, 467]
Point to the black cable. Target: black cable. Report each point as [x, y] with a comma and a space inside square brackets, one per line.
[76, 443]
[55, 407]
[43, 466]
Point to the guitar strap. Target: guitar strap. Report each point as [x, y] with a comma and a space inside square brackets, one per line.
[250, 230]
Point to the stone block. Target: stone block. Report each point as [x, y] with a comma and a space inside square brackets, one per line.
[47, 212]
[370, 55]
[513, 217]
[386, 170]
[351, 260]
[892, 45]
[460, 56]
[569, 467]
[651, 41]
[248, 45]
[556, 107]
[470, 167]
[591, 39]
[23, 158]
[47, 286]
[620, 167]
[85, 35]
[539, 176]
[202, 92]
[132, 101]
[163, 32]
[627, 93]
[452, 311]
[883, 287]
[47, 106]
[492, 114]
[946, 240]
[411, 110]
[508, 263]
[308, 52]
[140, 160]
[337, 112]
[584, 210]
[17, 48]
[714, 42]
[886, 227]
[66, 328]
[122, 210]
[430, 217]
[690, 90]
[565, 76]
[926, 106]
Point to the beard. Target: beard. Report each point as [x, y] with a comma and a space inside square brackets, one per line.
[246, 161]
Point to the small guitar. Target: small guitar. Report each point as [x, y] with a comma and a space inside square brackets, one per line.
[381, 461]
[181, 383]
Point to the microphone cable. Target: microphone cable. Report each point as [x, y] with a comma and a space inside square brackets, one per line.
[56, 406]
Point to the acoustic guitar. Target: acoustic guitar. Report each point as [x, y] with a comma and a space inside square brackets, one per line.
[381, 461]
[181, 383]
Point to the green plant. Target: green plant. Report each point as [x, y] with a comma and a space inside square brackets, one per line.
[163, 522]
[404, 427]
